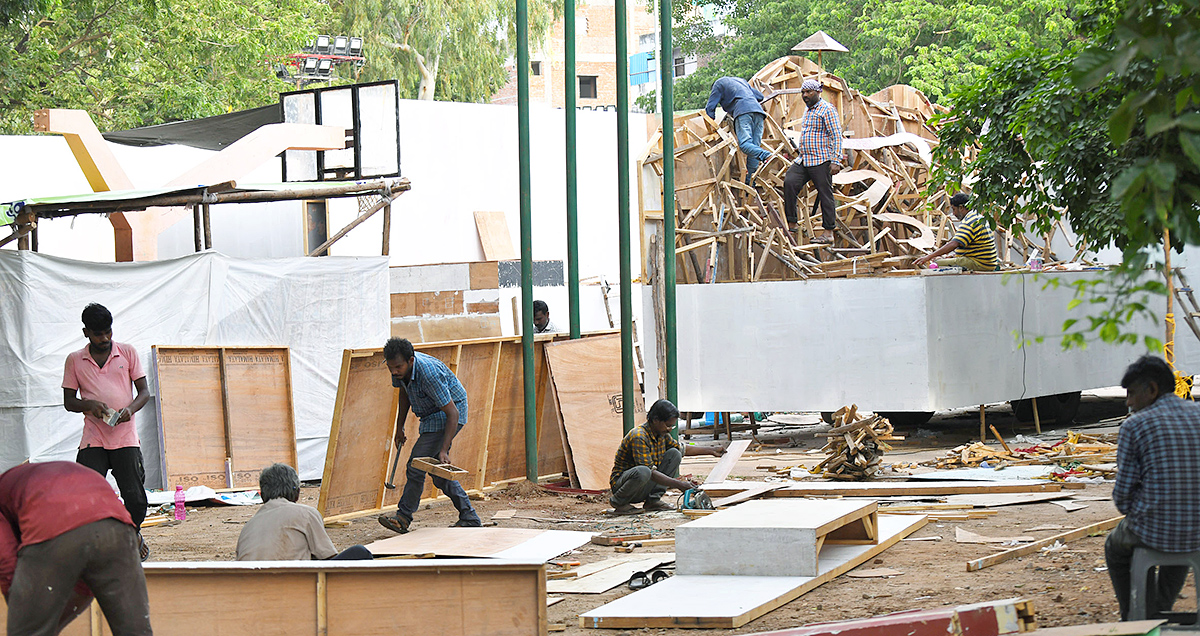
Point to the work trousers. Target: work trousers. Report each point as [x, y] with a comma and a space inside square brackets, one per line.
[965, 262]
[635, 485]
[822, 179]
[353, 553]
[428, 445]
[749, 129]
[127, 469]
[1118, 556]
[104, 555]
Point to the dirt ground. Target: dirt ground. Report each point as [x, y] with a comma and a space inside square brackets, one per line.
[1069, 586]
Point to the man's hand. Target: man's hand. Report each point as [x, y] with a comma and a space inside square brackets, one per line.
[921, 261]
[444, 456]
[687, 483]
[834, 169]
[95, 408]
[716, 451]
[400, 438]
[125, 416]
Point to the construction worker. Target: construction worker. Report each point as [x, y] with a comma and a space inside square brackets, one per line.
[647, 463]
[541, 318]
[1158, 482]
[819, 158]
[99, 381]
[972, 241]
[437, 397]
[65, 537]
[283, 530]
[742, 102]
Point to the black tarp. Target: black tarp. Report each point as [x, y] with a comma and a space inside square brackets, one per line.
[209, 133]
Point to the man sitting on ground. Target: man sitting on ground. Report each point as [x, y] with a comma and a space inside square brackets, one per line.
[973, 242]
[647, 462]
[1158, 481]
[283, 530]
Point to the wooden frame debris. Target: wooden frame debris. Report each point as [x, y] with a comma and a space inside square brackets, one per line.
[1007, 555]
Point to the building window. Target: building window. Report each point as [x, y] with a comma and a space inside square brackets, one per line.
[536, 67]
[587, 87]
[316, 224]
[680, 67]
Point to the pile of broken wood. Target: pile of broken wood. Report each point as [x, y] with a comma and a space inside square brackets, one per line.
[855, 446]
[1086, 452]
[730, 231]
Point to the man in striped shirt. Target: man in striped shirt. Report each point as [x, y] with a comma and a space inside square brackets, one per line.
[1158, 482]
[973, 242]
[820, 158]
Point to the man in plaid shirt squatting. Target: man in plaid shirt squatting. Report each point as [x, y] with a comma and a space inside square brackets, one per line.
[436, 397]
[647, 462]
[820, 158]
[1158, 481]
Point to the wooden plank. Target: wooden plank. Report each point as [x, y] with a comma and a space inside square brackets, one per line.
[725, 465]
[433, 303]
[609, 573]
[433, 467]
[494, 236]
[587, 379]
[484, 275]
[887, 489]
[205, 417]
[482, 542]
[728, 602]
[360, 441]
[1129, 628]
[1078, 533]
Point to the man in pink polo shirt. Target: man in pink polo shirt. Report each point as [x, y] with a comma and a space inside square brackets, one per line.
[104, 374]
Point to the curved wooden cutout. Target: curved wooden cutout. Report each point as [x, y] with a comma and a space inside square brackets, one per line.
[923, 242]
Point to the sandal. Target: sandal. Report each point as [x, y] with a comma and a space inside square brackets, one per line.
[657, 505]
[395, 523]
[143, 549]
[627, 509]
[822, 240]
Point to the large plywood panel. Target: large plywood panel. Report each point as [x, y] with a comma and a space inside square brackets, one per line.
[217, 604]
[360, 440]
[259, 388]
[587, 379]
[191, 416]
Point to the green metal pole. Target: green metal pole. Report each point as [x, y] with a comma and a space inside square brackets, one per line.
[666, 83]
[627, 372]
[570, 88]
[531, 454]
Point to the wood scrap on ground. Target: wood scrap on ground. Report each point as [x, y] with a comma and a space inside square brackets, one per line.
[855, 445]
[1078, 453]
[1078, 533]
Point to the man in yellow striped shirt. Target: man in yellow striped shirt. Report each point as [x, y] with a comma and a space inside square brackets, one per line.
[973, 242]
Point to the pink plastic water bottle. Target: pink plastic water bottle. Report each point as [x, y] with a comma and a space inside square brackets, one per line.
[180, 511]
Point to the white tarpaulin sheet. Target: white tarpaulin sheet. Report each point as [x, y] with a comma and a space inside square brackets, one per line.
[315, 306]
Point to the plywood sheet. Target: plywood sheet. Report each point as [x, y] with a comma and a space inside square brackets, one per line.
[732, 601]
[725, 465]
[886, 488]
[1005, 499]
[195, 400]
[360, 439]
[495, 237]
[501, 543]
[587, 379]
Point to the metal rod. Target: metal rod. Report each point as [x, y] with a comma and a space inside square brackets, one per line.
[569, 94]
[666, 84]
[530, 389]
[627, 371]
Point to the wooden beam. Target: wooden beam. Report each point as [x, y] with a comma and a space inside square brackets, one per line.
[1007, 555]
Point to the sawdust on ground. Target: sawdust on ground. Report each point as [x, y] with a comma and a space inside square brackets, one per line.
[1069, 586]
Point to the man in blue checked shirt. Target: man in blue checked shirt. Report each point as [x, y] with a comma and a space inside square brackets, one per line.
[819, 158]
[1158, 481]
[742, 103]
[436, 397]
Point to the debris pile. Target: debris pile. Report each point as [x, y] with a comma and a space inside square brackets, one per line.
[855, 446]
[1077, 452]
[731, 231]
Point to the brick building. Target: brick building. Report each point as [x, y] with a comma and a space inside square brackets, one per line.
[595, 59]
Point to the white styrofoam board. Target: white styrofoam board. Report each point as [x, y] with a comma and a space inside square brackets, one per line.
[429, 278]
[696, 601]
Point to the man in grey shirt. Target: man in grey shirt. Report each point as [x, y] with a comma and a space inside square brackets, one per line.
[283, 530]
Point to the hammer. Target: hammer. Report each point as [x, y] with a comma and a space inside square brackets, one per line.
[388, 484]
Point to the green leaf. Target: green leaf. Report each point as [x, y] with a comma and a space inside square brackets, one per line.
[1120, 123]
[1191, 121]
[1075, 302]
[1158, 123]
[1191, 146]
[1153, 344]
[1162, 174]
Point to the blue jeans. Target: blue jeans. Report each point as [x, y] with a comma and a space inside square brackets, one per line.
[428, 445]
[749, 129]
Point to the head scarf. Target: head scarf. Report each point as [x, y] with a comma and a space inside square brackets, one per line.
[810, 85]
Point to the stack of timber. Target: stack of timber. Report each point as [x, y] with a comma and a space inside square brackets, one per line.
[856, 444]
[887, 214]
[1076, 452]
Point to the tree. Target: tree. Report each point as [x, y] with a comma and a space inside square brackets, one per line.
[1103, 135]
[136, 64]
[933, 45]
[442, 49]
